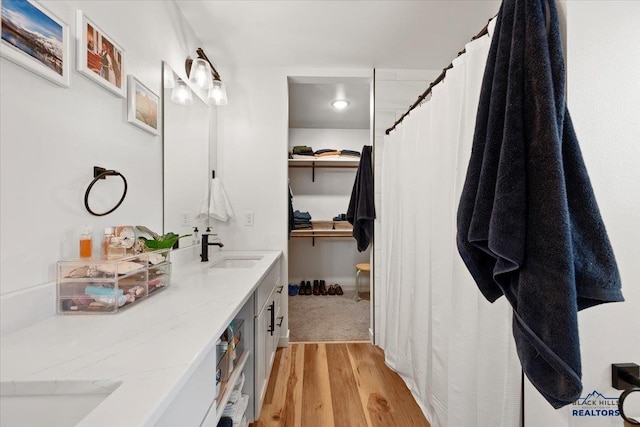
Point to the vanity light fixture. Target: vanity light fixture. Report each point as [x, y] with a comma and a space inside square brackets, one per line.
[181, 93]
[206, 77]
[217, 93]
[340, 104]
[200, 74]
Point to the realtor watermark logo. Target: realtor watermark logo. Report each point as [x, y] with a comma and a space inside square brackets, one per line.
[595, 405]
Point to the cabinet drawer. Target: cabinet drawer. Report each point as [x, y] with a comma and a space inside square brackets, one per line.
[271, 280]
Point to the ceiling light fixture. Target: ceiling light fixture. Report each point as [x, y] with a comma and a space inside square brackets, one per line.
[202, 73]
[340, 104]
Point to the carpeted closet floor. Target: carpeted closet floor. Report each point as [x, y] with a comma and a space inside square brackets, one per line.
[329, 317]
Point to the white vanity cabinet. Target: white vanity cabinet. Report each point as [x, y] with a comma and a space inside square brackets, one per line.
[196, 398]
[268, 324]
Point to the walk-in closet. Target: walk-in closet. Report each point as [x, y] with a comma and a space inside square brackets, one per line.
[325, 149]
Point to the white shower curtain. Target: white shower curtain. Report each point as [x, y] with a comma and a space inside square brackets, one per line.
[452, 347]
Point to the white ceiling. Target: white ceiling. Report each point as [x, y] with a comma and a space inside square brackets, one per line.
[418, 34]
[310, 104]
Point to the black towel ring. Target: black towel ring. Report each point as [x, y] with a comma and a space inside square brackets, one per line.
[102, 173]
[623, 396]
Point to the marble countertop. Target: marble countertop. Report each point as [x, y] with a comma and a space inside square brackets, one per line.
[151, 349]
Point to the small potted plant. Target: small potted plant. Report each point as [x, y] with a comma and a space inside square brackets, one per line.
[165, 241]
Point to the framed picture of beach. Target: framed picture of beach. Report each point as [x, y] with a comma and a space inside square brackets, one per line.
[100, 58]
[142, 106]
[35, 39]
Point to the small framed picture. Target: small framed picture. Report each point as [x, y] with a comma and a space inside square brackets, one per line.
[35, 39]
[100, 58]
[142, 106]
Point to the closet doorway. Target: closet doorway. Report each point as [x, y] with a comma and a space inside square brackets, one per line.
[325, 145]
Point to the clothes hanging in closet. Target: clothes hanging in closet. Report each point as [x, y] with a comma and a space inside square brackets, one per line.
[361, 212]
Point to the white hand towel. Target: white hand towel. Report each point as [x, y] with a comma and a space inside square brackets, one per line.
[219, 205]
[203, 212]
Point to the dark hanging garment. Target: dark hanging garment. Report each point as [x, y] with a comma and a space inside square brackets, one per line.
[291, 222]
[361, 212]
[528, 224]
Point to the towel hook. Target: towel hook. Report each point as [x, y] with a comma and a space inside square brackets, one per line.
[102, 173]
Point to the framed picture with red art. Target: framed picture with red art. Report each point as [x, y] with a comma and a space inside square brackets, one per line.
[142, 106]
[100, 58]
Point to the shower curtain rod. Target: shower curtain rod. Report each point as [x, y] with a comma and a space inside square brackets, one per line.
[438, 79]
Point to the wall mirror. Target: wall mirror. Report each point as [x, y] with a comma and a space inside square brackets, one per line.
[186, 171]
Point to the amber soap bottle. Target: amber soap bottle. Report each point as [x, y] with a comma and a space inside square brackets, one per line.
[86, 242]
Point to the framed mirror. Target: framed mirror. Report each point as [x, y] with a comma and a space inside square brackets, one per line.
[186, 140]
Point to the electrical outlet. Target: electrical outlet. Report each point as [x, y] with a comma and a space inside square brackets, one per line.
[185, 219]
[248, 219]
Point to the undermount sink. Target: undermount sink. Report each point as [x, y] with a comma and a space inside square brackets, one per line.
[236, 262]
[50, 403]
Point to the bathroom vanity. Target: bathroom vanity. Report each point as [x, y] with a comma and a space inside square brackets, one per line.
[156, 363]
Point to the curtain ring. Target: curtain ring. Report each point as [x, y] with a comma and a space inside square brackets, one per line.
[100, 173]
[623, 396]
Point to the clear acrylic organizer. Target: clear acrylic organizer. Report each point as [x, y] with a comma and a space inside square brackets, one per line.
[100, 285]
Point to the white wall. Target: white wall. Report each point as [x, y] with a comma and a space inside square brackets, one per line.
[252, 155]
[603, 92]
[51, 138]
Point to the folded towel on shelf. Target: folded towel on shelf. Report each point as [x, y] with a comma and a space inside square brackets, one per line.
[297, 215]
[325, 150]
[351, 153]
[234, 396]
[219, 205]
[236, 410]
[528, 223]
[302, 149]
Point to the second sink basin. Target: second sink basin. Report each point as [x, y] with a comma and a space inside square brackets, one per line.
[51, 403]
[236, 262]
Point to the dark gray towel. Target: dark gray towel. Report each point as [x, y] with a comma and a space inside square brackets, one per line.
[529, 227]
[361, 212]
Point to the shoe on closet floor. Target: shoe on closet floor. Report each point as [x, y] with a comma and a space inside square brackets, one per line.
[323, 288]
[307, 288]
[339, 290]
[316, 287]
[293, 289]
[331, 290]
[301, 288]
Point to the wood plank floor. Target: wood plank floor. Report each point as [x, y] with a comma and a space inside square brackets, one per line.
[336, 384]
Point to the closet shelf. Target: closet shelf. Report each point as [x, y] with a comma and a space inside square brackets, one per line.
[319, 162]
[321, 233]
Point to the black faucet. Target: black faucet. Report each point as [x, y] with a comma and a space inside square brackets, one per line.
[204, 256]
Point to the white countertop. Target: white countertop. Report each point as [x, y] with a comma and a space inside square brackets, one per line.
[151, 348]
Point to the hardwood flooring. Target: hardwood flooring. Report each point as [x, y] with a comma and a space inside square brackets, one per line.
[336, 384]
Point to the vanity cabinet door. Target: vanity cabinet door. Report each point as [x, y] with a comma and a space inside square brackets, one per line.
[263, 322]
[267, 332]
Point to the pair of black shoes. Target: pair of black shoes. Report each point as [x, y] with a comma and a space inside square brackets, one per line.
[305, 288]
[319, 288]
